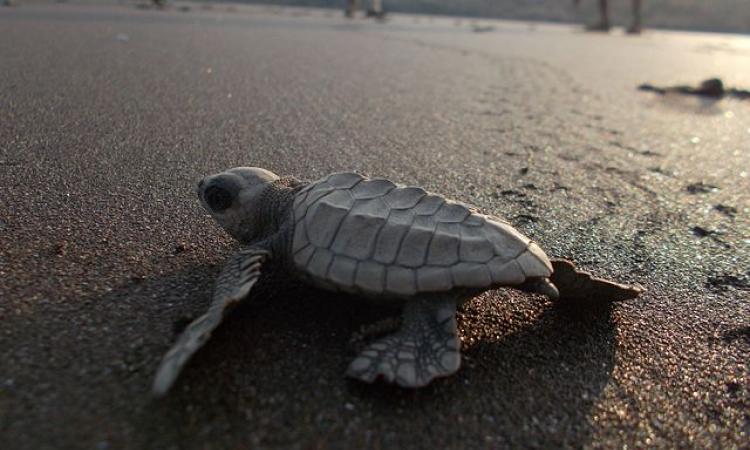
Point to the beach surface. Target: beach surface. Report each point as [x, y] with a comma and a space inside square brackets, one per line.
[109, 114]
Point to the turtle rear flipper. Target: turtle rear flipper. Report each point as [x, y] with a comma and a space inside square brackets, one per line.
[239, 275]
[580, 287]
[425, 347]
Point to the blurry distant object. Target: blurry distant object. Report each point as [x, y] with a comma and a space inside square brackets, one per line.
[604, 24]
[482, 28]
[8, 3]
[712, 87]
[159, 3]
[375, 10]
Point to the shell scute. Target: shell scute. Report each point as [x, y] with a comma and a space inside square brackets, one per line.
[322, 221]
[506, 241]
[475, 220]
[340, 198]
[302, 257]
[404, 197]
[342, 271]
[413, 249]
[400, 281]
[533, 266]
[444, 246]
[452, 212]
[401, 217]
[506, 272]
[429, 205]
[434, 279]
[475, 247]
[372, 188]
[389, 242]
[318, 264]
[370, 277]
[344, 180]
[356, 236]
[317, 192]
[471, 275]
[374, 207]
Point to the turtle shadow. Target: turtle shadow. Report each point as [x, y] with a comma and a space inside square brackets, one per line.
[273, 373]
[284, 342]
[534, 387]
[281, 321]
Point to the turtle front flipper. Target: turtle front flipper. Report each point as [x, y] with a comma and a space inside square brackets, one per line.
[239, 275]
[424, 348]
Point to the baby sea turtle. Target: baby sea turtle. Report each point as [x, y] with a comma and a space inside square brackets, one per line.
[373, 238]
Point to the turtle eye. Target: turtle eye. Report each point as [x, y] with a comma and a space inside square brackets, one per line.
[218, 199]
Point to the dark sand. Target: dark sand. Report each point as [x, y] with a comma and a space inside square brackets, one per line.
[108, 116]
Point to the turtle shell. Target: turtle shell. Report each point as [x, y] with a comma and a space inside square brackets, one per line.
[374, 237]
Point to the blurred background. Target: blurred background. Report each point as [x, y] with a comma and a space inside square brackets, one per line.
[712, 15]
[727, 16]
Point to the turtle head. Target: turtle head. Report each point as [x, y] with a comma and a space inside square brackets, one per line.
[233, 198]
